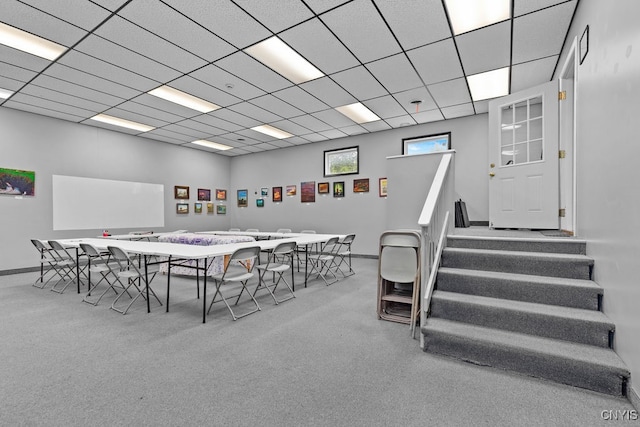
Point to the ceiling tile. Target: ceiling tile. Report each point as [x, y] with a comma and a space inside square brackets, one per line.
[417, 22]
[328, 91]
[134, 116]
[255, 112]
[481, 106]
[320, 6]
[187, 133]
[428, 116]
[353, 130]
[81, 13]
[359, 82]
[396, 73]
[446, 67]
[225, 21]
[406, 97]
[385, 107]
[522, 7]
[450, 93]
[486, 49]
[276, 15]
[376, 126]
[227, 82]
[204, 91]
[401, 121]
[333, 134]
[10, 84]
[111, 5]
[312, 123]
[282, 143]
[16, 73]
[172, 134]
[233, 117]
[63, 98]
[359, 25]
[87, 80]
[158, 108]
[319, 46]
[242, 65]
[217, 122]
[458, 111]
[300, 99]
[53, 83]
[265, 147]
[291, 127]
[37, 109]
[315, 137]
[162, 20]
[22, 59]
[202, 128]
[333, 118]
[533, 73]
[52, 105]
[271, 103]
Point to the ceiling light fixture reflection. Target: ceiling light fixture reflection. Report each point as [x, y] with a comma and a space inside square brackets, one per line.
[210, 144]
[277, 55]
[468, 15]
[358, 113]
[272, 131]
[116, 121]
[490, 84]
[4, 94]
[26, 42]
[178, 97]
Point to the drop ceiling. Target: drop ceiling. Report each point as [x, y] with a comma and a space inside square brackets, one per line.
[382, 53]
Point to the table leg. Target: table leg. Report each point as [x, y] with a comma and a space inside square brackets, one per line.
[168, 280]
[146, 281]
[204, 294]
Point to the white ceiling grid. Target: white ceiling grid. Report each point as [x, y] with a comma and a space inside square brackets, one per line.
[385, 54]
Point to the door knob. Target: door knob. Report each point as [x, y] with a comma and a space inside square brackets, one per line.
[492, 174]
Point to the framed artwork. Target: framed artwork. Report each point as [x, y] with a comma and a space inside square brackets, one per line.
[426, 144]
[361, 185]
[264, 192]
[197, 207]
[323, 188]
[276, 194]
[221, 209]
[17, 182]
[338, 189]
[182, 208]
[382, 187]
[204, 194]
[343, 161]
[221, 194]
[308, 192]
[209, 208]
[291, 190]
[260, 203]
[243, 198]
[181, 192]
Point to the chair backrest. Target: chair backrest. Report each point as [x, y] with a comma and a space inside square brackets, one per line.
[348, 239]
[284, 248]
[234, 229]
[252, 230]
[398, 264]
[40, 246]
[283, 230]
[243, 254]
[331, 246]
[89, 250]
[308, 232]
[59, 251]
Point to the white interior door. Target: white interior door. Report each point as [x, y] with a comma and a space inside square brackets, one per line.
[523, 157]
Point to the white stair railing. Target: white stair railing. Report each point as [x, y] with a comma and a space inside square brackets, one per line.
[435, 223]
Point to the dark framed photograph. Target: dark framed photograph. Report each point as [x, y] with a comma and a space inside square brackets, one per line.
[182, 208]
[243, 198]
[308, 192]
[221, 209]
[276, 194]
[382, 187]
[181, 192]
[361, 185]
[338, 189]
[204, 194]
[426, 144]
[221, 194]
[343, 161]
[260, 203]
[197, 207]
[323, 188]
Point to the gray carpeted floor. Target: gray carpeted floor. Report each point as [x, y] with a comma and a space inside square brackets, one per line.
[322, 359]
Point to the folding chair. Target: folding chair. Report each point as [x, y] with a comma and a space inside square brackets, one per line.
[239, 269]
[129, 271]
[279, 262]
[344, 255]
[323, 263]
[65, 266]
[98, 265]
[47, 262]
[283, 230]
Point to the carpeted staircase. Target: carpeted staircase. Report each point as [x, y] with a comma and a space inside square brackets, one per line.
[525, 305]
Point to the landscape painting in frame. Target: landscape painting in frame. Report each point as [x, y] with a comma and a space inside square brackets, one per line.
[243, 198]
[221, 209]
[17, 182]
[308, 192]
[291, 190]
[361, 185]
[197, 207]
[221, 194]
[182, 208]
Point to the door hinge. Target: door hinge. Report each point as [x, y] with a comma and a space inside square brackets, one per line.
[562, 95]
[562, 154]
[562, 212]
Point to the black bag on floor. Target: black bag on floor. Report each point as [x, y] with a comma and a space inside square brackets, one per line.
[462, 219]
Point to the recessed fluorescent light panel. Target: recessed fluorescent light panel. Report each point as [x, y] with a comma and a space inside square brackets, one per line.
[468, 15]
[210, 144]
[358, 113]
[26, 42]
[116, 121]
[491, 84]
[271, 131]
[4, 94]
[184, 99]
[278, 56]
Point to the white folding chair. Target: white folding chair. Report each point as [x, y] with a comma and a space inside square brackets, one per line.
[283, 230]
[65, 265]
[47, 264]
[344, 255]
[234, 229]
[238, 270]
[132, 276]
[100, 266]
[279, 262]
[323, 262]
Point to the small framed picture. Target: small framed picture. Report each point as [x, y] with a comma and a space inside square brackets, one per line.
[221, 209]
[197, 208]
[243, 198]
[221, 194]
[276, 194]
[361, 185]
[338, 189]
[182, 208]
[382, 187]
[308, 192]
[291, 190]
[181, 192]
[204, 194]
[260, 203]
[264, 192]
[209, 208]
[323, 188]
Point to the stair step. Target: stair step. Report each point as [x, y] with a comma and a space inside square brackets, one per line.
[551, 321]
[594, 368]
[576, 293]
[567, 245]
[535, 263]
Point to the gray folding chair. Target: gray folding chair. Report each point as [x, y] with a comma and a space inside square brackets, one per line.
[129, 272]
[343, 255]
[65, 266]
[47, 264]
[238, 270]
[323, 263]
[100, 266]
[280, 261]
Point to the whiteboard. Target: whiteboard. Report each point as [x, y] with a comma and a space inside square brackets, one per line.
[90, 203]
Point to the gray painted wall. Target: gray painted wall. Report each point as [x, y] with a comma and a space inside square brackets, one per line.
[608, 177]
